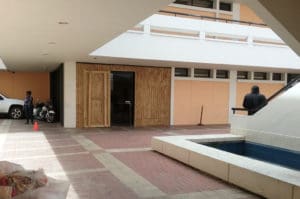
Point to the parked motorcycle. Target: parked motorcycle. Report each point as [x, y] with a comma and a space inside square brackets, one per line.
[44, 111]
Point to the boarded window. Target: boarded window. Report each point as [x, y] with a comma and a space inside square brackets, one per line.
[223, 74]
[225, 6]
[181, 72]
[197, 3]
[202, 73]
[260, 76]
[242, 75]
[277, 76]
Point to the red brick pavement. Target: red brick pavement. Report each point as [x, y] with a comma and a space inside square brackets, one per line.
[124, 139]
[169, 175]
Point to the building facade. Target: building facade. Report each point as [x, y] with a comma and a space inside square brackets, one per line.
[192, 62]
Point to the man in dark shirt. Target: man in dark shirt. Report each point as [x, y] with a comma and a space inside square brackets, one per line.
[254, 100]
[28, 107]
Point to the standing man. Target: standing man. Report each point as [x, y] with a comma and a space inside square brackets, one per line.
[28, 107]
[254, 100]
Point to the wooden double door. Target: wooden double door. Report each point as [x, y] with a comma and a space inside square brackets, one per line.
[108, 98]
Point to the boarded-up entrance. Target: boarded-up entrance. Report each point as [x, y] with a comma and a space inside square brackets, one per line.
[97, 98]
[152, 91]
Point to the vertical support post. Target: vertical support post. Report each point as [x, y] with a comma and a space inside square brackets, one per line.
[147, 28]
[251, 75]
[217, 8]
[192, 72]
[214, 74]
[250, 40]
[172, 96]
[202, 35]
[236, 11]
[69, 85]
[232, 93]
[285, 78]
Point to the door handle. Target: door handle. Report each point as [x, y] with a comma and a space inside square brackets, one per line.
[127, 102]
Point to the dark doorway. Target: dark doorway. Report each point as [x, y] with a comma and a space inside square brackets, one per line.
[122, 98]
[57, 93]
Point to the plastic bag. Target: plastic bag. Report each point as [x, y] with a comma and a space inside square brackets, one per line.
[18, 183]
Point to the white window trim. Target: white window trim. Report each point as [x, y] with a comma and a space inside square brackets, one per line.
[202, 79]
[260, 81]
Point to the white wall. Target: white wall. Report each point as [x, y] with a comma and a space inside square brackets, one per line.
[163, 47]
[277, 124]
[2, 65]
[70, 94]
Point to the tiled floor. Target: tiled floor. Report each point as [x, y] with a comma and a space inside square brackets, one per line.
[111, 163]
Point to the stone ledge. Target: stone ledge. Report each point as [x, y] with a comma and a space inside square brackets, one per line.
[263, 178]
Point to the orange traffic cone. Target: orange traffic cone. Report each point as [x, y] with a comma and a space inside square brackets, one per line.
[35, 126]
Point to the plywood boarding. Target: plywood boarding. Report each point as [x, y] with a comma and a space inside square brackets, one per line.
[190, 95]
[190, 11]
[96, 100]
[152, 92]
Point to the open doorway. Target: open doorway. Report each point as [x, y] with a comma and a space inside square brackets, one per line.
[122, 98]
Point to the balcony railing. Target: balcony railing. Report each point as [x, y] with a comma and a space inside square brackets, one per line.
[208, 30]
[182, 14]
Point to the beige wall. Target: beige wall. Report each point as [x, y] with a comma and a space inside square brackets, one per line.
[225, 16]
[246, 14]
[190, 95]
[267, 89]
[14, 85]
[190, 11]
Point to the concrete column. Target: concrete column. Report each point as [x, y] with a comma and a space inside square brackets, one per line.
[285, 76]
[70, 94]
[172, 96]
[236, 11]
[232, 93]
[217, 8]
[147, 28]
[214, 73]
[202, 35]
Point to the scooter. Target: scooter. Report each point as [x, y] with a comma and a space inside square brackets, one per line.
[44, 111]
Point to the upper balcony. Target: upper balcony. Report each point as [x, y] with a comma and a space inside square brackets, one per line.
[176, 40]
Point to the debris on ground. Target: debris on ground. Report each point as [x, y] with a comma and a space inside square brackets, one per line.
[18, 183]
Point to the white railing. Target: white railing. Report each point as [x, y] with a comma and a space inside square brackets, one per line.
[177, 40]
[207, 30]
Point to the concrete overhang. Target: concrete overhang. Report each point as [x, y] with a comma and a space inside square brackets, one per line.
[38, 35]
[282, 16]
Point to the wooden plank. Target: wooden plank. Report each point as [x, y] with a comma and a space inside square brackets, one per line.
[85, 97]
[152, 93]
[97, 95]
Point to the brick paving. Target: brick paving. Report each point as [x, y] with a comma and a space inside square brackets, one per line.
[111, 162]
[160, 170]
[125, 139]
